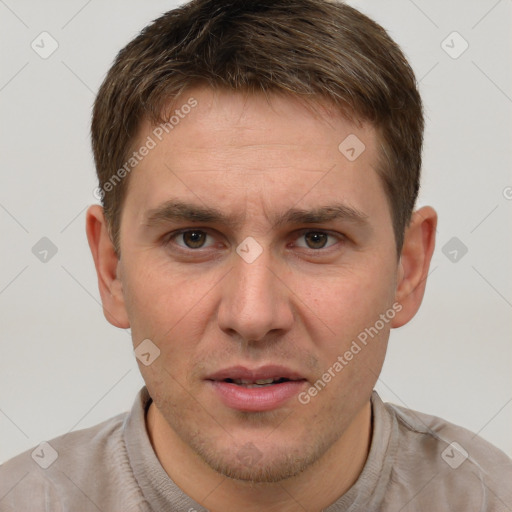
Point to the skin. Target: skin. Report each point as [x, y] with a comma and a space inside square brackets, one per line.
[300, 304]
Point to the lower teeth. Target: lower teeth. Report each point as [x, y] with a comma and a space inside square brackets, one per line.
[256, 385]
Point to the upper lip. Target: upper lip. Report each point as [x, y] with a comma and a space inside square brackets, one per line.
[254, 374]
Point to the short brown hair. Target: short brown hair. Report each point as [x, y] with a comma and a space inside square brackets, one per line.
[313, 49]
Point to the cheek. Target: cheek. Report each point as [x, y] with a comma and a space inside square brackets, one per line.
[346, 308]
[165, 308]
[347, 301]
[159, 299]
[173, 309]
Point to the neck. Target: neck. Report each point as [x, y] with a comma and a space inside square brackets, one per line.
[314, 489]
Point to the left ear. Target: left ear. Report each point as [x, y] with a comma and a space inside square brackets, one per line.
[106, 262]
[417, 250]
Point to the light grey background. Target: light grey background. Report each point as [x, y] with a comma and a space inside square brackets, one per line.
[63, 367]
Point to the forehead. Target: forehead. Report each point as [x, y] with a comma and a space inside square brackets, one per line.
[254, 152]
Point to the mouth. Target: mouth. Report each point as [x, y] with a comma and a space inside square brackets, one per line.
[262, 389]
[260, 383]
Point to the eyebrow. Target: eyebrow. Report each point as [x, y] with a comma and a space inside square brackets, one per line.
[180, 211]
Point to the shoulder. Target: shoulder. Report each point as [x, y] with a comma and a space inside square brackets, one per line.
[75, 468]
[444, 463]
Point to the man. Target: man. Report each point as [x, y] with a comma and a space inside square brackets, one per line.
[258, 165]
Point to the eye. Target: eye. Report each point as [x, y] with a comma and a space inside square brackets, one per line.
[191, 238]
[317, 239]
[196, 239]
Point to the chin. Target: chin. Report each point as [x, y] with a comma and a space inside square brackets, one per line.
[278, 468]
[272, 463]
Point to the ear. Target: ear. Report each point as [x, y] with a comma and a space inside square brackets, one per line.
[106, 262]
[417, 250]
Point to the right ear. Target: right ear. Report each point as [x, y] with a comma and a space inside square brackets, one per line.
[106, 262]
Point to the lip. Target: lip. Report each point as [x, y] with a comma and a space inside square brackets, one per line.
[256, 399]
[263, 372]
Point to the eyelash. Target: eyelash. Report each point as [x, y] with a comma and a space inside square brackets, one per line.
[171, 236]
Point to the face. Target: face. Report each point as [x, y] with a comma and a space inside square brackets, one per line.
[252, 248]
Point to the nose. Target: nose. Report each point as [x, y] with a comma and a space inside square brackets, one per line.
[255, 301]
